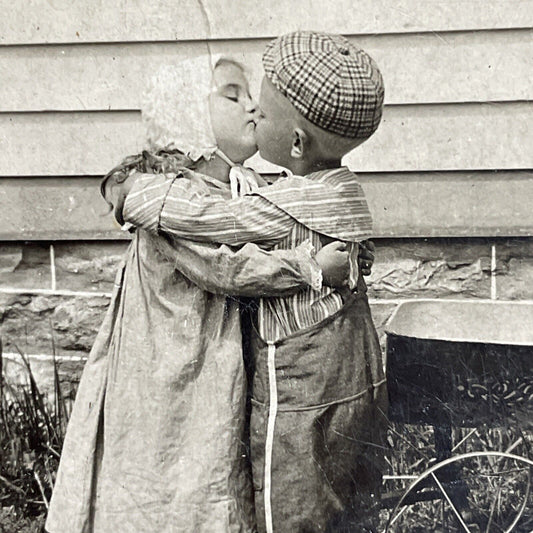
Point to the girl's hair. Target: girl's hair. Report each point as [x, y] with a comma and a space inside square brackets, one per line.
[158, 162]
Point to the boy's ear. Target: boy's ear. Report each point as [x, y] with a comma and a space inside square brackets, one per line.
[299, 143]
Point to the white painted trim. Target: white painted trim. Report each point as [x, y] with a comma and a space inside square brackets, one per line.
[493, 288]
[269, 443]
[53, 268]
[50, 292]
[44, 357]
[398, 301]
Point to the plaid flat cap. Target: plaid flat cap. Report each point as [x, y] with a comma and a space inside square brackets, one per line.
[331, 82]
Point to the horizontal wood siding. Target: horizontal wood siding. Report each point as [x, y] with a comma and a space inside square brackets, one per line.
[402, 205]
[418, 68]
[410, 138]
[451, 158]
[68, 21]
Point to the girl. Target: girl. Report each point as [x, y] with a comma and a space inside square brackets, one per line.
[155, 440]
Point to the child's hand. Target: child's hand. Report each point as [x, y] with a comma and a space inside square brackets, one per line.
[366, 257]
[122, 194]
[116, 193]
[244, 180]
[334, 261]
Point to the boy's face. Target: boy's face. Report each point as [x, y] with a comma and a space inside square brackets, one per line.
[275, 125]
[233, 112]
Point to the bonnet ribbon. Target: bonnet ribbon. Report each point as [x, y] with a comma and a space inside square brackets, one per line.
[242, 180]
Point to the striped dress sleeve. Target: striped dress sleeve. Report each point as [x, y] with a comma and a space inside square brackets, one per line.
[179, 207]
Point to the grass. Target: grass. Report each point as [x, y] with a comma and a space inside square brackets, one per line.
[496, 488]
[32, 429]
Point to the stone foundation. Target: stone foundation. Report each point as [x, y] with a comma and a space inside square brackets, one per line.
[53, 300]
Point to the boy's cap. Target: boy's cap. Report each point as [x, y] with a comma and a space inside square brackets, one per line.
[330, 82]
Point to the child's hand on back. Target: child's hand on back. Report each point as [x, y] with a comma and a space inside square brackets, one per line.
[335, 264]
[116, 193]
[366, 257]
[121, 191]
[114, 188]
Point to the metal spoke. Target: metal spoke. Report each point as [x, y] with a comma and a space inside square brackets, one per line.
[450, 503]
[492, 510]
[400, 513]
[400, 507]
[475, 430]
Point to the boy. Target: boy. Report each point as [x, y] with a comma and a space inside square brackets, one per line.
[317, 423]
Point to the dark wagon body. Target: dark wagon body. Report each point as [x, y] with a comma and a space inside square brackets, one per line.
[452, 363]
[465, 364]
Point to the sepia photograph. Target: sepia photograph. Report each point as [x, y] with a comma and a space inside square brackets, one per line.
[266, 267]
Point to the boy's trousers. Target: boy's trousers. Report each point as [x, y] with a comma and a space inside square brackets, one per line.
[318, 428]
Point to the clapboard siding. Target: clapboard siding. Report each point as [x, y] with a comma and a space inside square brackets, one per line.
[53, 144]
[60, 21]
[471, 67]
[411, 138]
[450, 204]
[54, 209]
[403, 205]
[459, 103]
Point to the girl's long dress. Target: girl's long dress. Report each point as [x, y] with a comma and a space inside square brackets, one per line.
[155, 440]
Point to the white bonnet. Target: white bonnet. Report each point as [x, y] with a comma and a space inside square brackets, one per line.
[175, 110]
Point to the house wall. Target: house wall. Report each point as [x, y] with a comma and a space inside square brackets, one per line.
[447, 175]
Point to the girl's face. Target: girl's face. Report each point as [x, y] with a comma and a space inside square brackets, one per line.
[233, 112]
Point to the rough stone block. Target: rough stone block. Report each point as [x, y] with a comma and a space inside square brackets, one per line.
[516, 283]
[88, 266]
[36, 323]
[80, 266]
[25, 265]
[404, 268]
[10, 257]
[42, 368]
[514, 278]
[431, 268]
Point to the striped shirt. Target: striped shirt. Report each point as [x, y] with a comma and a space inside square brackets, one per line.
[279, 317]
[322, 206]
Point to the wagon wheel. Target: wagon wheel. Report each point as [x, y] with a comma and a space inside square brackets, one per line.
[491, 496]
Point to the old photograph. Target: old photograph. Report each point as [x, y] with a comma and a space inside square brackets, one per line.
[266, 267]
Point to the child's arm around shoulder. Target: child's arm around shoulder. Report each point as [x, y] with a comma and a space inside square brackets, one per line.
[176, 206]
[248, 270]
[254, 272]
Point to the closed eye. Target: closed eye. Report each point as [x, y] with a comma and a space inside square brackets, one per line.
[232, 91]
